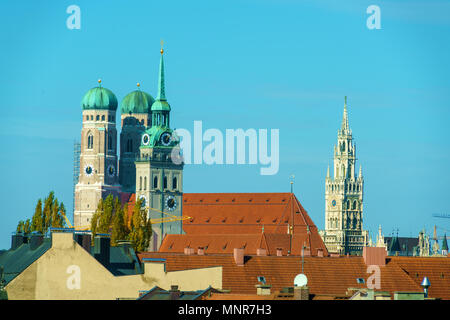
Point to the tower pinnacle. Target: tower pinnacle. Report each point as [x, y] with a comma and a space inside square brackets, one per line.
[345, 127]
[161, 86]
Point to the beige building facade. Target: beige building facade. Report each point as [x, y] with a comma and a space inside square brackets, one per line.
[68, 272]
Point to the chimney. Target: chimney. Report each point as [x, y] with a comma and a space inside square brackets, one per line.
[36, 240]
[102, 243]
[84, 240]
[307, 252]
[279, 252]
[320, 252]
[261, 252]
[201, 251]
[263, 289]
[239, 256]
[189, 251]
[17, 240]
[374, 256]
[174, 293]
[301, 293]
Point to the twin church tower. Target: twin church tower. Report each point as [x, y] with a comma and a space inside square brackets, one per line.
[146, 165]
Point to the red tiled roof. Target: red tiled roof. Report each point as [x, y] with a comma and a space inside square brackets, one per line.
[244, 213]
[326, 276]
[437, 270]
[225, 243]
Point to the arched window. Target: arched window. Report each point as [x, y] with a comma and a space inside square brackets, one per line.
[174, 183]
[110, 142]
[92, 117]
[87, 118]
[165, 183]
[354, 205]
[155, 182]
[103, 117]
[145, 183]
[140, 183]
[90, 141]
[97, 118]
[348, 205]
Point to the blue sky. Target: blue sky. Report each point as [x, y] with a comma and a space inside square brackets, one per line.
[283, 65]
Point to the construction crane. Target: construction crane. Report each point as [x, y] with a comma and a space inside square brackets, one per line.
[441, 215]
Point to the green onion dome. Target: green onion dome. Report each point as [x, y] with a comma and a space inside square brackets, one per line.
[99, 98]
[137, 102]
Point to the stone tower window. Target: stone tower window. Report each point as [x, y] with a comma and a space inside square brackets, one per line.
[97, 118]
[165, 182]
[145, 183]
[103, 117]
[174, 183]
[90, 141]
[354, 205]
[140, 183]
[110, 142]
[155, 182]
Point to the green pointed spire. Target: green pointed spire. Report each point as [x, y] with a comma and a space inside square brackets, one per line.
[444, 242]
[161, 87]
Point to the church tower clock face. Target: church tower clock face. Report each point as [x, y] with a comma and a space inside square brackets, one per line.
[166, 138]
[333, 203]
[145, 139]
[171, 203]
[88, 170]
[111, 170]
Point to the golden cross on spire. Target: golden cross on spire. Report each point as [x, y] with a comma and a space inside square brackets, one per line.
[162, 44]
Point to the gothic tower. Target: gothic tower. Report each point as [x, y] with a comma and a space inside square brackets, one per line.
[159, 169]
[135, 117]
[98, 157]
[344, 197]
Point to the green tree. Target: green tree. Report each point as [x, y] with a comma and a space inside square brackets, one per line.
[37, 222]
[20, 226]
[48, 209]
[141, 229]
[27, 227]
[119, 231]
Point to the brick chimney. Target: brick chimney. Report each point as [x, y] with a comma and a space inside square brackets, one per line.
[301, 293]
[261, 252]
[189, 251]
[239, 256]
[320, 252]
[174, 293]
[374, 256]
[279, 252]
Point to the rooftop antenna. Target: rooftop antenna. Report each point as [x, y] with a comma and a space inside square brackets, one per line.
[292, 177]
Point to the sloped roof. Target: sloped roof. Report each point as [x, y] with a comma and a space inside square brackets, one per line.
[225, 243]
[403, 242]
[157, 293]
[326, 276]
[244, 213]
[16, 261]
[437, 269]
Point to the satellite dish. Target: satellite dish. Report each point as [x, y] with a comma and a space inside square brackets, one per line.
[300, 280]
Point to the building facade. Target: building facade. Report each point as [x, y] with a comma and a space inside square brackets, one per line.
[149, 166]
[344, 232]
